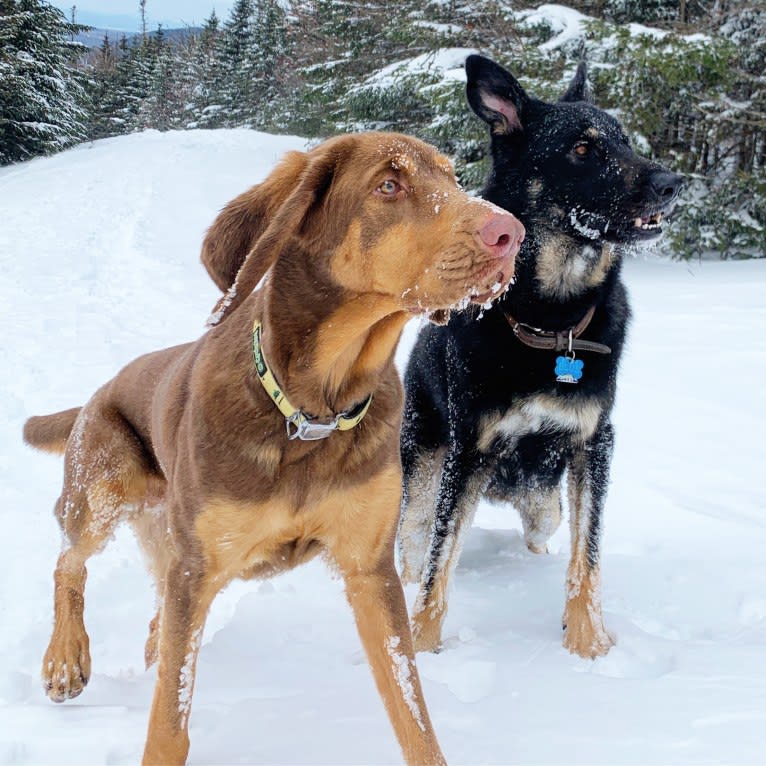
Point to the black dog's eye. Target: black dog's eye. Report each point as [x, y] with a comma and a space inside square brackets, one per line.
[582, 149]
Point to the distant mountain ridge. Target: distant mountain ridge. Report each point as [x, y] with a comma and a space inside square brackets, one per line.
[94, 36]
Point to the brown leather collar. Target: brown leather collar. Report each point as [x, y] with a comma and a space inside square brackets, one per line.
[562, 340]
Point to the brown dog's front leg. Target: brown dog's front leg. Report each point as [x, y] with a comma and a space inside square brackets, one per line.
[381, 617]
[183, 618]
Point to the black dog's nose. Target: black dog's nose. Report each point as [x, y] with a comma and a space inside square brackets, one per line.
[665, 185]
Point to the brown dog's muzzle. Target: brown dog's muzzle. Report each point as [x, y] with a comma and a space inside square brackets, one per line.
[500, 237]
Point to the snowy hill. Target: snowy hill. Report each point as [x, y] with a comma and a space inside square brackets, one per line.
[99, 263]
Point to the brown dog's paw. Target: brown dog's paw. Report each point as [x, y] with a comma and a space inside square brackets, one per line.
[66, 665]
[586, 639]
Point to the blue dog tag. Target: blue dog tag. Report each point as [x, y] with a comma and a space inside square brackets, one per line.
[568, 370]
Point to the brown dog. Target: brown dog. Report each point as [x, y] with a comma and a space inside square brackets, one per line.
[190, 448]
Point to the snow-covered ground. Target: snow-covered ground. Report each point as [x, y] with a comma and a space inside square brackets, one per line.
[98, 263]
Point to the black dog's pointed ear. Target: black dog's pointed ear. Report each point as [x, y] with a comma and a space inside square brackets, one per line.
[578, 89]
[495, 95]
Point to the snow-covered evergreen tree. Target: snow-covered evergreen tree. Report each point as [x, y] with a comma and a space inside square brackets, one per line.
[249, 48]
[103, 90]
[170, 103]
[205, 75]
[41, 93]
[234, 85]
[158, 107]
[140, 66]
[267, 59]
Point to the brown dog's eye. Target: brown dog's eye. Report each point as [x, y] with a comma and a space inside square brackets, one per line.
[581, 150]
[389, 188]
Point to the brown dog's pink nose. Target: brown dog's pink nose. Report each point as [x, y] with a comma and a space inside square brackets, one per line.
[502, 234]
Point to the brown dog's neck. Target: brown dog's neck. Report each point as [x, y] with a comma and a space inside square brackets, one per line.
[327, 349]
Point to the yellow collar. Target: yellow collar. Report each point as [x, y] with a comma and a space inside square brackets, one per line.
[307, 428]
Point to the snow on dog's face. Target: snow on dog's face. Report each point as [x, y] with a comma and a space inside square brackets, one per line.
[382, 214]
[409, 232]
[569, 165]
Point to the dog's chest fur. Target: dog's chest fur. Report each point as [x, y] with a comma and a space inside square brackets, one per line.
[575, 418]
[242, 538]
[565, 269]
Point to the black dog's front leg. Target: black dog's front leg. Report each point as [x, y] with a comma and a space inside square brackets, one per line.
[422, 458]
[588, 479]
[457, 499]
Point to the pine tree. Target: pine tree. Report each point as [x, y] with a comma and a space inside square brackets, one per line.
[156, 108]
[211, 28]
[205, 74]
[103, 90]
[264, 62]
[121, 106]
[235, 42]
[41, 94]
[745, 26]
[338, 44]
[135, 76]
[170, 101]
[249, 53]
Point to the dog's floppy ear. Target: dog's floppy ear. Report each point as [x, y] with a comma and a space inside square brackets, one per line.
[494, 94]
[311, 186]
[578, 89]
[239, 225]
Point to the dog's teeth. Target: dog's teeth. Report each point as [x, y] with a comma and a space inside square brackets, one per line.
[648, 222]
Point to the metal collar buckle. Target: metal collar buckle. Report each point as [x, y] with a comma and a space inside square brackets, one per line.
[299, 424]
[309, 430]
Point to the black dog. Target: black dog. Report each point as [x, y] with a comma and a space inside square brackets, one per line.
[499, 405]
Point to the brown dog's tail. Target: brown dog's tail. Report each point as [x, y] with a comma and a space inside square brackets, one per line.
[50, 432]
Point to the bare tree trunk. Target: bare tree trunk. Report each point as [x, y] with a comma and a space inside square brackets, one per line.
[142, 6]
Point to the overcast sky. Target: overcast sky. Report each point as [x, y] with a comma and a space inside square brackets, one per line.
[124, 14]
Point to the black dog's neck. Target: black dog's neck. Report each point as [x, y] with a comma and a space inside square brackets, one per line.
[560, 273]
[534, 301]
